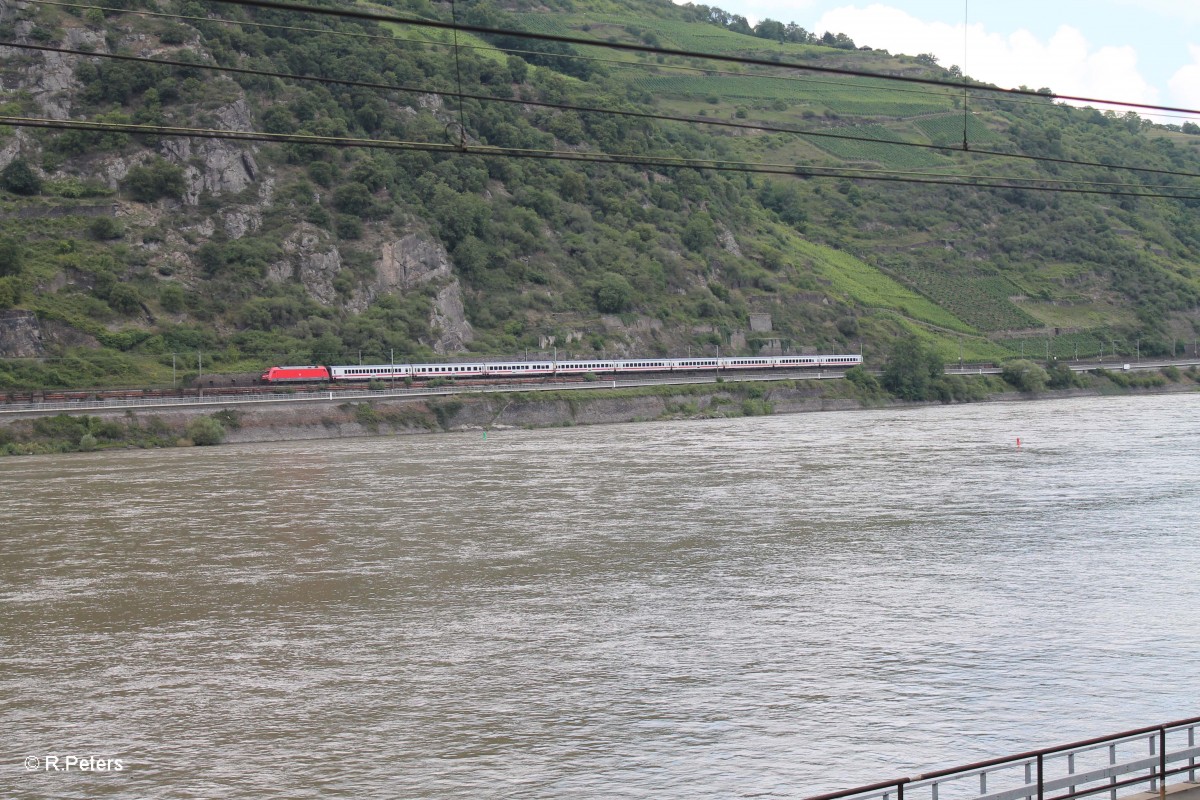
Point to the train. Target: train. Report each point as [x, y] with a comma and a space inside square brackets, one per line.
[548, 369]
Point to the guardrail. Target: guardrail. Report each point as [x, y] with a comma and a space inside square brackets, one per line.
[1106, 764]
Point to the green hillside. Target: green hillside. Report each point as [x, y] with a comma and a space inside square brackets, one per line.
[123, 254]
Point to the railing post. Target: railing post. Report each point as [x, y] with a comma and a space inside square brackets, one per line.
[1071, 770]
[1192, 759]
[900, 790]
[1041, 777]
[933, 790]
[983, 783]
[1112, 761]
[1029, 776]
[1162, 760]
[1153, 768]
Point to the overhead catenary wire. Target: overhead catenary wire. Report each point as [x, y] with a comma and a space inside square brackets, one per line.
[281, 5]
[966, 85]
[652, 116]
[794, 170]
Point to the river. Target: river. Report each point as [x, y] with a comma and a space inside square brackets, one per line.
[766, 607]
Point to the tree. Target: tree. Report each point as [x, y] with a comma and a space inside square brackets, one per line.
[154, 179]
[12, 257]
[1061, 376]
[19, 178]
[1025, 375]
[911, 369]
[699, 233]
[613, 293]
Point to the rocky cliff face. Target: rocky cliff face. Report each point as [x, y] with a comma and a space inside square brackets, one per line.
[226, 167]
[311, 260]
[20, 335]
[412, 261]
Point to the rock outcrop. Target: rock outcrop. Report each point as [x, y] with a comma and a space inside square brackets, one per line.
[409, 262]
[311, 260]
[20, 334]
[226, 166]
[449, 320]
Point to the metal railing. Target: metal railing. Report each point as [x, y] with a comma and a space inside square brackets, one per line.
[283, 395]
[1107, 764]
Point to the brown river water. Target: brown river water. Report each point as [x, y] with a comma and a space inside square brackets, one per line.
[767, 607]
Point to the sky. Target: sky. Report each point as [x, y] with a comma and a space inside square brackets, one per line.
[1143, 51]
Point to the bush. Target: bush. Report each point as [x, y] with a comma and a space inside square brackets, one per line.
[12, 257]
[154, 179]
[348, 227]
[1060, 376]
[10, 292]
[172, 298]
[1025, 376]
[103, 229]
[205, 431]
[613, 293]
[864, 380]
[19, 178]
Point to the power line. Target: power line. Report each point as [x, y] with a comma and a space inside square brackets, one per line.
[624, 64]
[794, 170]
[279, 5]
[658, 117]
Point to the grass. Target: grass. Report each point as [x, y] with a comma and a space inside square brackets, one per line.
[1080, 315]
[872, 288]
[853, 98]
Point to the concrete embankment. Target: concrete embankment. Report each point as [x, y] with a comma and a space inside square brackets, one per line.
[262, 422]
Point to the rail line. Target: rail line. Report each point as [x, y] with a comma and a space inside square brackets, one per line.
[344, 395]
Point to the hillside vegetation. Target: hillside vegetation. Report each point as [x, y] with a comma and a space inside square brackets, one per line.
[124, 255]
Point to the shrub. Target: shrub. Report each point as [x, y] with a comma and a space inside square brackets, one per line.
[103, 229]
[1060, 376]
[19, 178]
[10, 292]
[12, 257]
[154, 179]
[864, 380]
[1025, 376]
[172, 298]
[205, 431]
[366, 415]
[348, 227]
[613, 293]
[229, 418]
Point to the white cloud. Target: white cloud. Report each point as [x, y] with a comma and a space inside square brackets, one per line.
[1066, 62]
[1185, 83]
